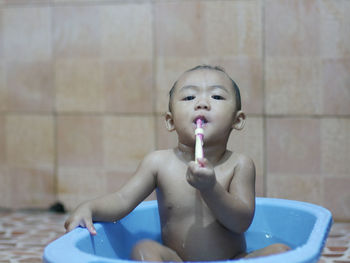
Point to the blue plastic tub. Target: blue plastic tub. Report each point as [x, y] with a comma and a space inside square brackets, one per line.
[303, 226]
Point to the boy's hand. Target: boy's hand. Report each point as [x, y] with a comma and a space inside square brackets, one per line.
[80, 217]
[201, 175]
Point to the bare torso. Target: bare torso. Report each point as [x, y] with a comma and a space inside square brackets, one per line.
[188, 226]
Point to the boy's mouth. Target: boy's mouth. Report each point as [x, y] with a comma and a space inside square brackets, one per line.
[204, 120]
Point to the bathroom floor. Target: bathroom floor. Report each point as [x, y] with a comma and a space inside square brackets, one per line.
[24, 234]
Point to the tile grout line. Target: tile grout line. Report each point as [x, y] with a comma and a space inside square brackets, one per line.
[154, 73]
[55, 115]
[264, 128]
[154, 111]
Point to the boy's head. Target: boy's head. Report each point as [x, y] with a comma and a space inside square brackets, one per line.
[209, 67]
[208, 93]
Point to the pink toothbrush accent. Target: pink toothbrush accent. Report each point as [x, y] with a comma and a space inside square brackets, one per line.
[199, 133]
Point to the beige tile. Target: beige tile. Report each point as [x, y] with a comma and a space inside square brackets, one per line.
[30, 141]
[80, 141]
[5, 187]
[2, 140]
[281, 28]
[335, 147]
[247, 73]
[1, 34]
[293, 86]
[336, 86]
[24, 2]
[29, 86]
[295, 187]
[128, 86]
[249, 141]
[165, 139]
[127, 139]
[73, 1]
[32, 187]
[335, 27]
[3, 90]
[206, 28]
[79, 85]
[346, 29]
[293, 146]
[27, 33]
[127, 31]
[5, 178]
[179, 28]
[77, 31]
[337, 197]
[27, 187]
[81, 184]
[292, 28]
[232, 28]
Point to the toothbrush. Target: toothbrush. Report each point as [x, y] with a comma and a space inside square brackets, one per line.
[199, 133]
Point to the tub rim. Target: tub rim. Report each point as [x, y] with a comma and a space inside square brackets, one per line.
[312, 249]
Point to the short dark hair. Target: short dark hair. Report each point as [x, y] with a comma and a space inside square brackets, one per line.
[234, 85]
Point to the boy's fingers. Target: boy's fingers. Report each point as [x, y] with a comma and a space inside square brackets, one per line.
[191, 165]
[66, 225]
[189, 176]
[198, 164]
[202, 162]
[70, 226]
[90, 226]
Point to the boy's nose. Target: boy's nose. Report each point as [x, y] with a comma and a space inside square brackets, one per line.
[202, 105]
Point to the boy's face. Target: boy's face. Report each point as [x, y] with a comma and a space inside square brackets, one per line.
[206, 94]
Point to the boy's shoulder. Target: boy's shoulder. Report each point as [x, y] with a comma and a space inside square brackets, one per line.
[241, 159]
[158, 156]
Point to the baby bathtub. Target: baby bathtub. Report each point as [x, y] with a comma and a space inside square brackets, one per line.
[303, 226]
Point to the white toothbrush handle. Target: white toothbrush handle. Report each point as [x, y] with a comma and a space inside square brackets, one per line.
[199, 144]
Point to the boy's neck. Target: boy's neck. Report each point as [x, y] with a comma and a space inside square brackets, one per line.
[213, 153]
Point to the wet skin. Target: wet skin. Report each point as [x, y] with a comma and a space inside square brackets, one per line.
[188, 225]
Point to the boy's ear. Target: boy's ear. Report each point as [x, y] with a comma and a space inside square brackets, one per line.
[239, 121]
[169, 122]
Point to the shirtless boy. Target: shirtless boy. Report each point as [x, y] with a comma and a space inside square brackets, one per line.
[205, 206]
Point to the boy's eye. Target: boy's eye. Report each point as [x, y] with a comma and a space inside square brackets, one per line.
[217, 97]
[189, 98]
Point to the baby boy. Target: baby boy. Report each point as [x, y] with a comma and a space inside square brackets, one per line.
[204, 206]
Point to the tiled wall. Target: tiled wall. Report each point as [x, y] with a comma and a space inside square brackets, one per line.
[83, 85]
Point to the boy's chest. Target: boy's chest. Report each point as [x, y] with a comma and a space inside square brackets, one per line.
[176, 193]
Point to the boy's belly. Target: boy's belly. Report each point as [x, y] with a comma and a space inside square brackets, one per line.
[201, 242]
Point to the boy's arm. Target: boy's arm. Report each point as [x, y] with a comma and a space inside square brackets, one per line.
[115, 206]
[233, 207]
